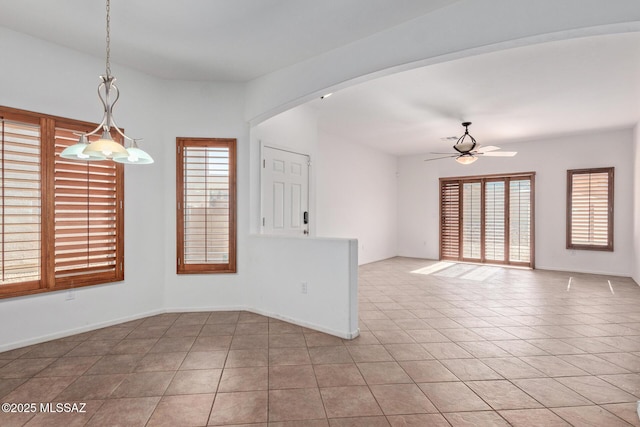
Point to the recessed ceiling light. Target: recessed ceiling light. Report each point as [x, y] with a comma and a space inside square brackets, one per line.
[326, 96]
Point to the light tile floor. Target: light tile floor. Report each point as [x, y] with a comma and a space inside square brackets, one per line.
[466, 345]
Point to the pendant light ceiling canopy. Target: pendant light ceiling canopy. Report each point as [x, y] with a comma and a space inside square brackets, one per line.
[105, 147]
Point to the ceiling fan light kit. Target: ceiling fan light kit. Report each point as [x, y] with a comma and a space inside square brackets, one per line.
[466, 159]
[468, 149]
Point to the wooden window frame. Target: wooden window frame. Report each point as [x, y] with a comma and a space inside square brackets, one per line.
[483, 179]
[453, 229]
[208, 268]
[610, 208]
[48, 281]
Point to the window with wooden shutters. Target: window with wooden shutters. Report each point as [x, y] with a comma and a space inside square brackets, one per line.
[487, 219]
[21, 213]
[62, 221]
[206, 203]
[520, 220]
[471, 220]
[449, 220]
[87, 215]
[590, 209]
[494, 220]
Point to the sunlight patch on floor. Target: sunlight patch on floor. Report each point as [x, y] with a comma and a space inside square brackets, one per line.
[461, 271]
[433, 268]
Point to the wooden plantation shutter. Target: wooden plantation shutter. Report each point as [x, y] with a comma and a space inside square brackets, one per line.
[87, 201]
[471, 220]
[449, 220]
[21, 210]
[206, 202]
[590, 209]
[494, 220]
[520, 220]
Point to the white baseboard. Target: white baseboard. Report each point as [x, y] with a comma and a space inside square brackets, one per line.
[79, 330]
[346, 335]
[100, 325]
[203, 309]
[581, 271]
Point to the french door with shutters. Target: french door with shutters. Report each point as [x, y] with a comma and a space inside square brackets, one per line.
[488, 219]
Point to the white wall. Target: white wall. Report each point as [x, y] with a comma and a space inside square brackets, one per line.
[636, 204]
[357, 197]
[550, 159]
[36, 76]
[328, 267]
[204, 110]
[353, 188]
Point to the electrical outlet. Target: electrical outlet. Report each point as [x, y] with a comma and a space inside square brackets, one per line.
[304, 287]
[71, 295]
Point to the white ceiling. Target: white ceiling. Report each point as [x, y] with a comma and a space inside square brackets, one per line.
[222, 40]
[541, 90]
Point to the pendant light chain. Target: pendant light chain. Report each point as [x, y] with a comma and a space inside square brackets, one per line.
[108, 68]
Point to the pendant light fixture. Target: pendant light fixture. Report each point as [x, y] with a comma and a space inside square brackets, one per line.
[105, 147]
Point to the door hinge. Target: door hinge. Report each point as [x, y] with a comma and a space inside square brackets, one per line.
[264, 163]
[263, 221]
[179, 261]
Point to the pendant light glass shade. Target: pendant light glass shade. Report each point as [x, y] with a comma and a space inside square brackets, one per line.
[105, 147]
[135, 156]
[465, 147]
[466, 159]
[76, 151]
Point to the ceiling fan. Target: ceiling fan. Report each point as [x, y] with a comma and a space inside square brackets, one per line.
[468, 150]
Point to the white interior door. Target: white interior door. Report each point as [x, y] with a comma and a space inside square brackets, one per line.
[285, 192]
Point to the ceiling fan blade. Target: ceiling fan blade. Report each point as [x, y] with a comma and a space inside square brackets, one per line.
[500, 153]
[439, 158]
[488, 148]
[435, 152]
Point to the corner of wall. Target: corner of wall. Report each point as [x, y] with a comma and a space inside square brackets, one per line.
[636, 204]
